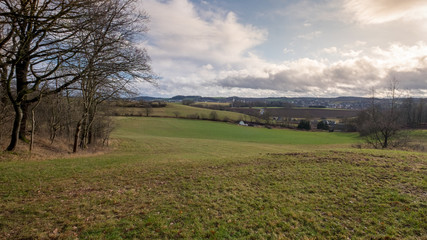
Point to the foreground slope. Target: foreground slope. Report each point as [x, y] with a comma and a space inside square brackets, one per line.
[174, 178]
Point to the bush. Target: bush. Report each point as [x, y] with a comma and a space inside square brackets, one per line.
[193, 116]
[322, 125]
[176, 113]
[304, 124]
[157, 104]
[213, 116]
[187, 102]
[350, 125]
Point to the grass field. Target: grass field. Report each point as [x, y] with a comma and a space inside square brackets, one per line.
[181, 128]
[174, 178]
[182, 111]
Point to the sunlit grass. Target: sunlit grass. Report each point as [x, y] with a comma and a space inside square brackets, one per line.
[181, 128]
[163, 182]
[182, 111]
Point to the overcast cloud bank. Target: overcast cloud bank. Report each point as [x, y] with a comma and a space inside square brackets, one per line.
[204, 50]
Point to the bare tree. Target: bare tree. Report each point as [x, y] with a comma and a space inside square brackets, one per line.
[381, 125]
[41, 42]
[33, 124]
[409, 111]
[148, 109]
[421, 112]
[116, 60]
[56, 114]
[6, 33]
[56, 41]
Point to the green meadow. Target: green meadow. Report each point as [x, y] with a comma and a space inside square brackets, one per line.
[181, 128]
[181, 111]
[171, 178]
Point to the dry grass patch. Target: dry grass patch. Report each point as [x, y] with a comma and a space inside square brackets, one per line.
[43, 150]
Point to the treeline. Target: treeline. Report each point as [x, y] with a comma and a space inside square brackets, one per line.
[237, 104]
[58, 117]
[385, 125]
[281, 104]
[414, 112]
[140, 104]
[406, 113]
[60, 60]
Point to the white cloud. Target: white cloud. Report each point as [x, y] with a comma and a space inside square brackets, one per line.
[330, 50]
[311, 10]
[351, 53]
[287, 50]
[307, 24]
[179, 30]
[310, 36]
[381, 11]
[189, 45]
[209, 52]
[342, 52]
[355, 75]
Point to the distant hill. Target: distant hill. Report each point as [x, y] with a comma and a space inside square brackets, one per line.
[147, 98]
[344, 102]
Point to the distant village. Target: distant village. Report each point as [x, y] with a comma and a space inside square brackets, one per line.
[353, 103]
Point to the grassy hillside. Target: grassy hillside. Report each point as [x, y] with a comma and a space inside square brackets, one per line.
[172, 178]
[179, 110]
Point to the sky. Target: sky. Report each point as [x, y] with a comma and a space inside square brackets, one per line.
[286, 48]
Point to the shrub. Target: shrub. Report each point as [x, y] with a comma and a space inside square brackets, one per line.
[213, 116]
[304, 124]
[176, 113]
[323, 125]
[187, 102]
[193, 116]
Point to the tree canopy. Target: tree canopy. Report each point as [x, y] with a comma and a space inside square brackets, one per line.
[52, 45]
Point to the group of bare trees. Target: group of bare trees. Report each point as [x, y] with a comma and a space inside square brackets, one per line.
[385, 125]
[414, 112]
[74, 53]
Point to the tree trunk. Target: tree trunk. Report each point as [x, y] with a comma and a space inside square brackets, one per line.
[53, 130]
[23, 128]
[90, 136]
[79, 133]
[90, 133]
[33, 124]
[385, 145]
[33, 127]
[76, 135]
[385, 135]
[83, 135]
[21, 72]
[16, 127]
[3, 85]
